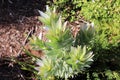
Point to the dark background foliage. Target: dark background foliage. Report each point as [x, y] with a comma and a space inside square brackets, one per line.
[14, 9]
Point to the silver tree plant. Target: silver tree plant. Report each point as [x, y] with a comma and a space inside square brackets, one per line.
[61, 58]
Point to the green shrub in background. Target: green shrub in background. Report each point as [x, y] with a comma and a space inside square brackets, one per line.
[69, 9]
[105, 15]
[106, 42]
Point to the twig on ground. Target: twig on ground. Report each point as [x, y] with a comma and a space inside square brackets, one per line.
[24, 42]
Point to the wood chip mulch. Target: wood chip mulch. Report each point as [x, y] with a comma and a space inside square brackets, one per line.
[13, 35]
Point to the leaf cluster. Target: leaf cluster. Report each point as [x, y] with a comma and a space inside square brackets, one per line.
[62, 59]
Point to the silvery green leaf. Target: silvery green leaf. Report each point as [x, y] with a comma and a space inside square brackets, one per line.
[77, 61]
[44, 15]
[45, 21]
[92, 24]
[39, 62]
[93, 1]
[86, 66]
[40, 36]
[83, 53]
[46, 28]
[70, 70]
[89, 55]
[37, 68]
[48, 9]
[90, 59]
[59, 23]
[54, 10]
[64, 25]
